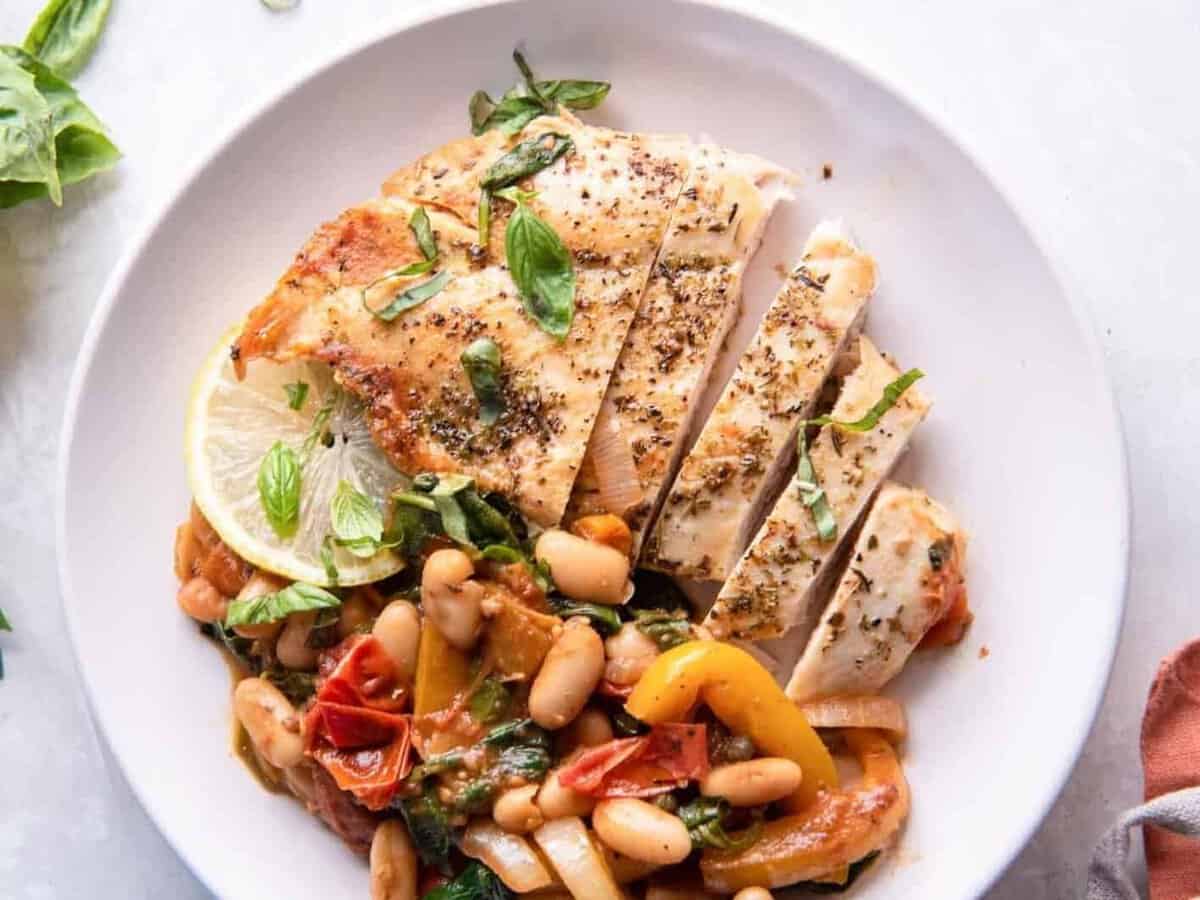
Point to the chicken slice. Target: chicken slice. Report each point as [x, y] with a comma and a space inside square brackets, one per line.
[904, 575]
[609, 200]
[737, 463]
[690, 303]
[773, 588]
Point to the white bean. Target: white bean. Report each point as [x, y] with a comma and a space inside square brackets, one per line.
[591, 728]
[642, 831]
[292, 649]
[630, 653]
[515, 810]
[569, 674]
[393, 863]
[200, 599]
[584, 570]
[398, 628]
[753, 893]
[557, 801]
[270, 720]
[451, 599]
[754, 782]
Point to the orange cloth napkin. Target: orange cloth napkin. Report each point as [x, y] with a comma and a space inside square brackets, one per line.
[1171, 760]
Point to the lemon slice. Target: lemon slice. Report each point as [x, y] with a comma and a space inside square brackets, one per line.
[232, 424]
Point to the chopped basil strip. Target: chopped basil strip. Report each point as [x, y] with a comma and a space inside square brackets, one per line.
[279, 489]
[297, 393]
[666, 629]
[298, 597]
[481, 361]
[320, 426]
[444, 494]
[490, 701]
[429, 826]
[603, 618]
[410, 298]
[526, 159]
[357, 522]
[541, 267]
[485, 219]
[891, 394]
[423, 232]
[812, 495]
[327, 560]
[532, 98]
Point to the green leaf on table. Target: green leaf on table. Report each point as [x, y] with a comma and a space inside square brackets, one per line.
[298, 597]
[65, 33]
[481, 362]
[541, 267]
[279, 488]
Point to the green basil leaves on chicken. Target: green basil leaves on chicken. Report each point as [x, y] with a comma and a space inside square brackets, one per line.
[540, 266]
[481, 362]
[531, 98]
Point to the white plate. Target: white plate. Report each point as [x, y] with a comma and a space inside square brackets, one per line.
[1023, 441]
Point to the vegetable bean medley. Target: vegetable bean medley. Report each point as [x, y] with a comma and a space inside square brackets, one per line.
[488, 682]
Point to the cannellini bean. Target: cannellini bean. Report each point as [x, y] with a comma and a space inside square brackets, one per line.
[260, 583]
[200, 600]
[451, 599]
[393, 863]
[292, 646]
[754, 782]
[270, 720]
[591, 728]
[753, 893]
[398, 628]
[557, 801]
[584, 570]
[187, 552]
[642, 831]
[515, 810]
[630, 653]
[569, 674]
[606, 529]
[225, 569]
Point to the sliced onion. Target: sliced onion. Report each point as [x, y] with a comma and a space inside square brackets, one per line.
[581, 867]
[882, 713]
[612, 460]
[508, 855]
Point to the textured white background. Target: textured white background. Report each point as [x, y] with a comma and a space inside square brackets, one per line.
[1084, 112]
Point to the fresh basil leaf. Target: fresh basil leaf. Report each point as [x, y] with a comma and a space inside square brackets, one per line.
[510, 115]
[297, 393]
[526, 159]
[410, 298]
[298, 597]
[445, 498]
[490, 701]
[575, 93]
[504, 554]
[481, 361]
[542, 270]
[603, 618]
[484, 223]
[65, 33]
[357, 522]
[891, 395]
[479, 110]
[812, 495]
[4, 626]
[27, 148]
[418, 222]
[420, 501]
[279, 489]
[327, 560]
[531, 84]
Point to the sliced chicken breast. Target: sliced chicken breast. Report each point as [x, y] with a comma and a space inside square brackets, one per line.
[691, 300]
[609, 200]
[904, 575]
[773, 588]
[735, 466]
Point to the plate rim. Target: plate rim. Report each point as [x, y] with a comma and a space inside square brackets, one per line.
[776, 18]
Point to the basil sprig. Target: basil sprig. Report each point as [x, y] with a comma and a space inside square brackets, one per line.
[65, 33]
[481, 361]
[414, 296]
[279, 488]
[531, 98]
[357, 522]
[540, 265]
[298, 597]
[891, 396]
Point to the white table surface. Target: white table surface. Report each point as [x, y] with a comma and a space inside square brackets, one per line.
[1084, 112]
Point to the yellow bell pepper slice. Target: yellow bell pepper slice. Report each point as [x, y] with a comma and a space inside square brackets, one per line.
[745, 697]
